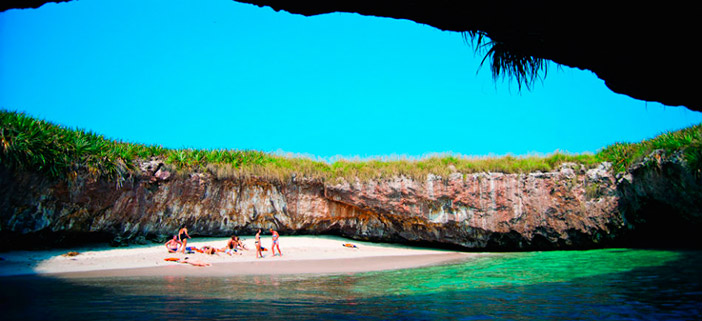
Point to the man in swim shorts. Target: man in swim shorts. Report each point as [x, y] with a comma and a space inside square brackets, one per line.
[172, 245]
[275, 245]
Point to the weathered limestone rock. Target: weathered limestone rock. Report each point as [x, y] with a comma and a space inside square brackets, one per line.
[493, 210]
[568, 208]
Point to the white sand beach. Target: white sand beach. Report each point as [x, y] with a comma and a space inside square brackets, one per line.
[301, 254]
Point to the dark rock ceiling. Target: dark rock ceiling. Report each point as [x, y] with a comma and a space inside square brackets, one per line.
[646, 50]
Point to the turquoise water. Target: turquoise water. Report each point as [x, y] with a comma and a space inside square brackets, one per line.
[612, 284]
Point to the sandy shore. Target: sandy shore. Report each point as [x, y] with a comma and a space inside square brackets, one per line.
[301, 254]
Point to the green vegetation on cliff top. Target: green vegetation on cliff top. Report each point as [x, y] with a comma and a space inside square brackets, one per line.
[36, 145]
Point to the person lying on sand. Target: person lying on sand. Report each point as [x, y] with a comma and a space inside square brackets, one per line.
[209, 250]
[187, 260]
[194, 262]
[172, 245]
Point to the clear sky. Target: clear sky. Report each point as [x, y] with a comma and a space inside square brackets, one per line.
[221, 74]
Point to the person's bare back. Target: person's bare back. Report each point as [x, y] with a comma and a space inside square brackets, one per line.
[182, 234]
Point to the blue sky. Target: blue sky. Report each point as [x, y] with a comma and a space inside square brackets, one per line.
[221, 74]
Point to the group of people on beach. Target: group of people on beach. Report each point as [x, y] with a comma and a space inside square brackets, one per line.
[179, 241]
[234, 245]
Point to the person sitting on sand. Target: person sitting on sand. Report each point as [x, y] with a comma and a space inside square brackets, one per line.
[240, 244]
[231, 245]
[182, 234]
[172, 245]
[275, 245]
[258, 244]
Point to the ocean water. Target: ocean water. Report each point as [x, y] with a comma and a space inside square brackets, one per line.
[609, 284]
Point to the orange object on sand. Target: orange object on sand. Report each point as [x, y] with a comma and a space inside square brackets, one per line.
[172, 259]
[350, 245]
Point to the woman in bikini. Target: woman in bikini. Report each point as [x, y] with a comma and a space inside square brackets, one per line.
[258, 244]
[275, 245]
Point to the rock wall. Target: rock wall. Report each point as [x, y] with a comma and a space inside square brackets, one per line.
[662, 202]
[569, 208]
[479, 211]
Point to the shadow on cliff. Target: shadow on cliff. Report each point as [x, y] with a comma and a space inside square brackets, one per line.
[46, 240]
[662, 205]
[660, 225]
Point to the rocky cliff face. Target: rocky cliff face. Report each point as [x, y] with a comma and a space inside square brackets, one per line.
[661, 199]
[564, 209]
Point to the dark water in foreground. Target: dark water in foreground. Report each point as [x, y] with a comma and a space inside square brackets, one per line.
[613, 284]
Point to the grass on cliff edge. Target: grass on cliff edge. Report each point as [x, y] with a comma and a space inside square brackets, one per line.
[30, 144]
[687, 141]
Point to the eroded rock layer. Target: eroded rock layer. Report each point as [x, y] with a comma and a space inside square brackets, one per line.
[657, 203]
[569, 208]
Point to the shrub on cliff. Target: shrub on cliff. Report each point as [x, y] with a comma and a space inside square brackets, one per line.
[36, 145]
[688, 141]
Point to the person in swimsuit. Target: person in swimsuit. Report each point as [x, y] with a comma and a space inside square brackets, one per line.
[209, 250]
[275, 245]
[240, 244]
[258, 244]
[182, 234]
[231, 245]
[172, 245]
[195, 263]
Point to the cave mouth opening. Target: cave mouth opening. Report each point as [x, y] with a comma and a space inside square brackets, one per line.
[661, 225]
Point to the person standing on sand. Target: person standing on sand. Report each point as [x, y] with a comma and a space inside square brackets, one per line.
[182, 234]
[258, 244]
[275, 245]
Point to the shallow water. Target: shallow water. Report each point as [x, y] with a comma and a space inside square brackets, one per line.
[610, 284]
